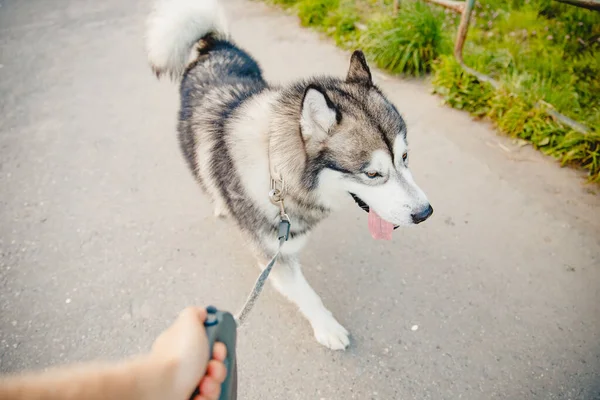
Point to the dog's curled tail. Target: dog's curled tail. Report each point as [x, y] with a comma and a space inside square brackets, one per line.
[175, 26]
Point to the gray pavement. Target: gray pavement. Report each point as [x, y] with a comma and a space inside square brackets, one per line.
[104, 236]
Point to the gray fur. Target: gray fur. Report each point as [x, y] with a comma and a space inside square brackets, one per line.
[317, 134]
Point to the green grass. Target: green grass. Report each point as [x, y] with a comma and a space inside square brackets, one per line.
[342, 24]
[516, 116]
[541, 51]
[314, 12]
[553, 53]
[408, 43]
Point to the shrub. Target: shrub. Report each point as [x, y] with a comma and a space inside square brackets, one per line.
[314, 12]
[408, 43]
[342, 23]
[515, 116]
[284, 3]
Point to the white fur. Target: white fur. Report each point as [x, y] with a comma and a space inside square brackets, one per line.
[175, 26]
[395, 196]
[249, 149]
[317, 118]
[331, 190]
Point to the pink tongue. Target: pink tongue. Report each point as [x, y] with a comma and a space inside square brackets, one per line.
[379, 228]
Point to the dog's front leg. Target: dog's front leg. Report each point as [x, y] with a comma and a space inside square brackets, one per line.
[288, 279]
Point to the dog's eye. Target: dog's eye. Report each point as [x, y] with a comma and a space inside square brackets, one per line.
[372, 174]
[404, 157]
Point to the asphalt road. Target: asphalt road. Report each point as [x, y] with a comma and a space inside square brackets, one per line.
[104, 236]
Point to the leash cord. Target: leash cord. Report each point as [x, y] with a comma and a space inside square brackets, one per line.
[283, 234]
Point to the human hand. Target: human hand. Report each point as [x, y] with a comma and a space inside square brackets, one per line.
[185, 346]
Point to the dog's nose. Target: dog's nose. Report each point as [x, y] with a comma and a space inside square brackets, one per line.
[422, 215]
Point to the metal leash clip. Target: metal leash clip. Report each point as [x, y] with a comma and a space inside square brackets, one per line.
[276, 195]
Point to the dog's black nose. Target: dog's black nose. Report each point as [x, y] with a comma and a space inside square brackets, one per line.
[422, 215]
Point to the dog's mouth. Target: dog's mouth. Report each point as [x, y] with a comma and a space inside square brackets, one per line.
[360, 203]
[379, 228]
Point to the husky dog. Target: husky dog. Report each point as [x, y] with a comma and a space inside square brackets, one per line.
[322, 138]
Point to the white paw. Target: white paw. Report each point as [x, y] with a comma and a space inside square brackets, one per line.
[330, 333]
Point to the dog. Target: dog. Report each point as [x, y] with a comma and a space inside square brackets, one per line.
[319, 139]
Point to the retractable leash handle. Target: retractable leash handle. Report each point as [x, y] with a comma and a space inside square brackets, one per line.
[221, 327]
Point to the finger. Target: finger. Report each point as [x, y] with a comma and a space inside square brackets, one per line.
[219, 351]
[201, 313]
[210, 388]
[216, 370]
[202, 397]
[194, 312]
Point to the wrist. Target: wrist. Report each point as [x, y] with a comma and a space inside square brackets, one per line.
[155, 377]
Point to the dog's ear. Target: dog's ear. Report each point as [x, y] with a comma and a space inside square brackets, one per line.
[359, 70]
[318, 115]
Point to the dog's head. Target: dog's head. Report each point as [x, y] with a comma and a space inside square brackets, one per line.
[355, 141]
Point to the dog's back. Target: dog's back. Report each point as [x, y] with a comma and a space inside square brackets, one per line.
[213, 87]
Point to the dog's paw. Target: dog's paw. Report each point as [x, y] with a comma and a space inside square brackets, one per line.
[330, 333]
